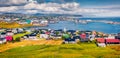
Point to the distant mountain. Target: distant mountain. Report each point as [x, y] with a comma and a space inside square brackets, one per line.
[39, 14]
[12, 13]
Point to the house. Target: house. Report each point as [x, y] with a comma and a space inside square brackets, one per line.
[28, 21]
[83, 35]
[72, 40]
[20, 30]
[32, 37]
[52, 21]
[14, 30]
[66, 36]
[1, 30]
[15, 19]
[66, 41]
[8, 19]
[28, 30]
[76, 37]
[44, 36]
[111, 36]
[10, 33]
[112, 41]
[84, 38]
[9, 38]
[91, 37]
[44, 22]
[26, 36]
[22, 22]
[54, 36]
[3, 35]
[2, 40]
[47, 33]
[100, 42]
[118, 36]
[36, 23]
[58, 32]
[69, 40]
[71, 31]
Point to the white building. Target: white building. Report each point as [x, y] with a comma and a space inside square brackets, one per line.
[10, 33]
[2, 40]
[45, 36]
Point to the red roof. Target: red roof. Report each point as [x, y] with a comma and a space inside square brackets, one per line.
[101, 40]
[83, 36]
[47, 32]
[113, 40]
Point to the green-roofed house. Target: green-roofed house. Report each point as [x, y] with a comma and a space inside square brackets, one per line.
[28, 21]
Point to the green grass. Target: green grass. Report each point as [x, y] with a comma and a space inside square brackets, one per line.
[83, 50]
[19, 35]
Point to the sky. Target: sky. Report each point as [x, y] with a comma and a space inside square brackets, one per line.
[90, 8]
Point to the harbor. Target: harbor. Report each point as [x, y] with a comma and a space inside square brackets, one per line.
[59, 28]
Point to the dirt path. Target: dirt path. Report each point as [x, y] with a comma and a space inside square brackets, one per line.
[29, 42]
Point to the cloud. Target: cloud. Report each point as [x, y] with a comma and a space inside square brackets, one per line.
[17, 1]
[58, 8]
[8, 9]
[12, 2]
[104, 7]
[66, 8]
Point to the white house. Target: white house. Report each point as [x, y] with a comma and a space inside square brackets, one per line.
[2, 40]
[101, 44]
[20, 30]
[111, 37]
[10, 33]
[45, 36]
[44, 22]
[32, 38]
[14, 31]
[2, 35]
[22, 23]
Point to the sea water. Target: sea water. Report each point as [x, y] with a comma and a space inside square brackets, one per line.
[97, 26]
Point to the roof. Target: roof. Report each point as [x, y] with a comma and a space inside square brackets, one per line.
[3, 33]
[71, 31]
[112, 40]
[101, 40]
[32, 35]
[2, 39]
[58, 30]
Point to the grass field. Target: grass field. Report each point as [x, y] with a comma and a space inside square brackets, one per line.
[81, 50]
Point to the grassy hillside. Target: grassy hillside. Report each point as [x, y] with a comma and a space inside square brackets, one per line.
[82, 50]
[12, 25]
